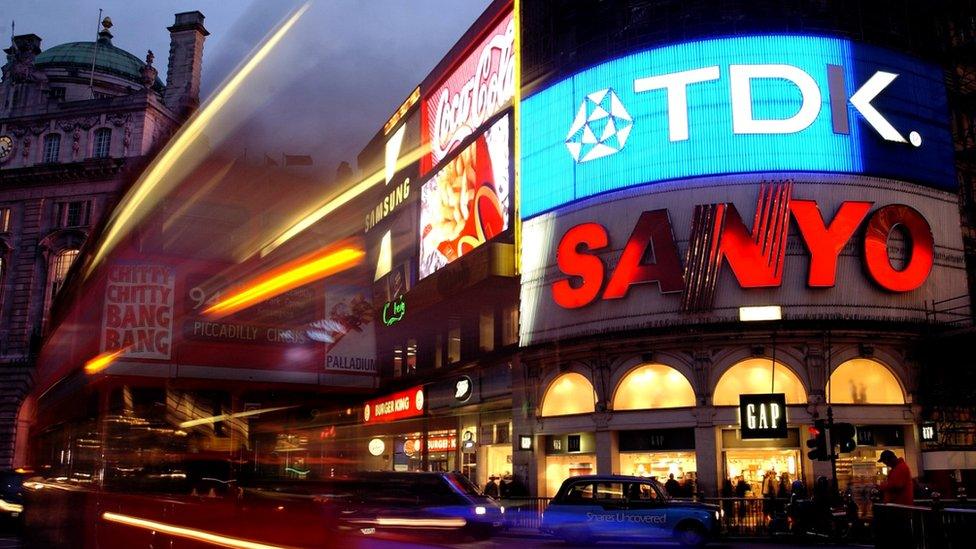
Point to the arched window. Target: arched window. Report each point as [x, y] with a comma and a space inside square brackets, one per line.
[103, 140]
[569, 394]
[864, 381]
[57, 272]
[754, 375]
[653, 386]
[52, 148]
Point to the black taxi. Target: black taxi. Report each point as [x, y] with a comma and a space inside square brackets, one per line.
[623, 508]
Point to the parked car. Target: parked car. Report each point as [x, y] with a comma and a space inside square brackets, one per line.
[623, 508]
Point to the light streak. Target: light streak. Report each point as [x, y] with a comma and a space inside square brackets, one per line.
[421, 522]
[136, 205]
[224, 417]
[11, 507]
[343, 198]
[188, 533]
[288, 277]
[100, 362]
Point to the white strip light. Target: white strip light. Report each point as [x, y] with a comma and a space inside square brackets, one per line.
[768, 312]
[188, 533]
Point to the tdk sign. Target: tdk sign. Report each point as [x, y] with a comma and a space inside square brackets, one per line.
[736, 105]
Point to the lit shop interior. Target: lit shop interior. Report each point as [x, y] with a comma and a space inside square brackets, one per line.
[649, 389]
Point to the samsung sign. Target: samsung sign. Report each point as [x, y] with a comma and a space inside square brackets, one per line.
[735, 105]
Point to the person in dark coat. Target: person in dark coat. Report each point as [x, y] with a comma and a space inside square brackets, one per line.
[491, 489]
[728, 492]
[672, 486]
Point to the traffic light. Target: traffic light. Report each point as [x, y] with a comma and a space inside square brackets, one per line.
[842, 434]
[818, 444]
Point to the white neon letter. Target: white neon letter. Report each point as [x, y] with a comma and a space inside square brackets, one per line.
[676, 85]
[742, 120]
[861, 100]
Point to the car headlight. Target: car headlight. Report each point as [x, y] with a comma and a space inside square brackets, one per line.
[479, 510]
[718, 514]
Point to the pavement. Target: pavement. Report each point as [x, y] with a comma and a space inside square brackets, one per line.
[519, 539]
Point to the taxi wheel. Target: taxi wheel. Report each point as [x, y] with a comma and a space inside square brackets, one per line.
[690, 534]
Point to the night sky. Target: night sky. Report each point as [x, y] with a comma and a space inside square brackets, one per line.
[332, 83]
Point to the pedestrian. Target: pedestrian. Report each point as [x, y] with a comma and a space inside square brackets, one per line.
[505, 487]
[769, 485]
[728, 492]
[491, 489]
[898, 487]
[672, 487]
[741, 489]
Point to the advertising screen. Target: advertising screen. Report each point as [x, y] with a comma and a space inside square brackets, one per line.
[735, 105]
[466, 203]
[481, 86]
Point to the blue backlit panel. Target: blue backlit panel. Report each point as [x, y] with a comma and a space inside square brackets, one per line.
[598, 131]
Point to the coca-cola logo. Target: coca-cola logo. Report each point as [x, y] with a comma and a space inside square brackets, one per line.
[479, 88]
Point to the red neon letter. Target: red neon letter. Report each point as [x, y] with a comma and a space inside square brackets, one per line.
[578, 264]
[756, 258]
[823, 242]
[920, 259]
[653, 230]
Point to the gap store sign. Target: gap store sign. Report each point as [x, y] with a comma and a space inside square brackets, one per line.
[735, 105]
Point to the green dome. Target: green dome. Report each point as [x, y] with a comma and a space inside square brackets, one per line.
[108, 59]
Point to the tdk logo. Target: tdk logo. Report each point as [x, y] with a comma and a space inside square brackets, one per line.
[741, 78]
[759, 104]
[602, 123]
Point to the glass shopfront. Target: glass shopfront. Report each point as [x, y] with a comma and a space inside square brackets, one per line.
[659, 454]
[859, 470]
[754, 460]
[441, 451]
[568, 456]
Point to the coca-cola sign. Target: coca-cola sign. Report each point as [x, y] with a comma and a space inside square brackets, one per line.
[479, 87]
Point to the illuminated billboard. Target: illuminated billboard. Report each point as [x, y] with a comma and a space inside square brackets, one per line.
[466, 202]
[735, 105]
[691, 252]
[481, 86]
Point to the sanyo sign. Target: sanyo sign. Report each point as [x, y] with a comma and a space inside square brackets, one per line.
[735, 105]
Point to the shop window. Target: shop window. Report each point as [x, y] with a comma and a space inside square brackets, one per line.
[4, 220]
[510, 325]
[397, 361]
[56, 93]
[52, 148]
[486, 331]
[755, 375]
[864, 381]
[651, 386]
[570, 393]
[454, 342]
[411, 356]
[103, 139]
[439, 351]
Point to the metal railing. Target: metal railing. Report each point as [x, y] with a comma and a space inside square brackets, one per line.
[524, 512]
[747, 516]
[935, 527]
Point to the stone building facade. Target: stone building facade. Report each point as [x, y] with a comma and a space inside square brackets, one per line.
[77, 123]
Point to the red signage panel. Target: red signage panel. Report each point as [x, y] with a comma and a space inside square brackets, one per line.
[401, 405]
[481, 85]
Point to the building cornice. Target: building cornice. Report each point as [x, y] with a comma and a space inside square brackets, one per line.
[92, 169]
